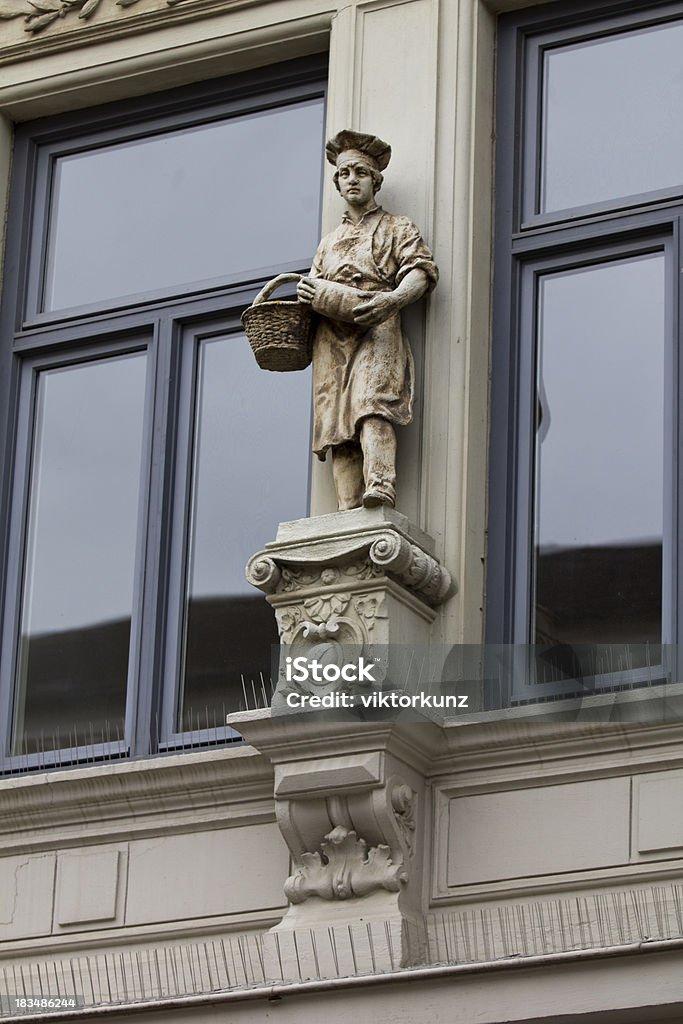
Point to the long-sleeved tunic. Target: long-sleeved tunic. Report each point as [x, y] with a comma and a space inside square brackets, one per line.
[363, 371]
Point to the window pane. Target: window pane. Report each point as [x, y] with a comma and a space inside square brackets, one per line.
[80, 554]
[201, 203]
[607, 131]
[251, 466]
[600, 455]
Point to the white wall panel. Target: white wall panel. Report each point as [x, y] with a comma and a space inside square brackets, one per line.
[658, 813]
[395, 97]
[26, 885]
[87, 886]
[206, 873]
[538, 831]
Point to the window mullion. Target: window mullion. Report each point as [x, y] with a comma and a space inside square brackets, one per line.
[154, 559]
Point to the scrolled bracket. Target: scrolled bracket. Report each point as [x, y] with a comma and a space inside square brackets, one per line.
[263, 573]
[369, 846]
[412, 566]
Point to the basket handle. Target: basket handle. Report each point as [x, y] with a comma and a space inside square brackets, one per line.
[269, 288]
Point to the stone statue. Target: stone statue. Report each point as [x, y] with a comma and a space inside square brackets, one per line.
[363, 274]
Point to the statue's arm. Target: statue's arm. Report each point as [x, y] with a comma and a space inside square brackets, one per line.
[399, 248]
[382, 304]
[329, 298]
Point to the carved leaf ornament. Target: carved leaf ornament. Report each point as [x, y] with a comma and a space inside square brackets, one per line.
[346, 867]
[38, 14]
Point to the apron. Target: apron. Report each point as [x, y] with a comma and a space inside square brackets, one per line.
[357, 371]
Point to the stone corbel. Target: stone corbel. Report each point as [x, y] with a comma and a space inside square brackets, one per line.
[349, 801]
[347, 843]
[350, 839]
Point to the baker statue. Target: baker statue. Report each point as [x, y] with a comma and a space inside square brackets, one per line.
[363, 274]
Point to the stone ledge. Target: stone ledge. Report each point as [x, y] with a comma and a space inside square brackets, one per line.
[49, 808]
[356, 550]
[314, 734]
[354, 522]
[501, 738]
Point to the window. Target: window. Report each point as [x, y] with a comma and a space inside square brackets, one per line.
[147, 456]
[585, 514]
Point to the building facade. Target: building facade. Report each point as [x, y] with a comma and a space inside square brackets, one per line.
[518, 862]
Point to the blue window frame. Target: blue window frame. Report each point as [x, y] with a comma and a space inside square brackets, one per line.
[145, 456]
[583, 568]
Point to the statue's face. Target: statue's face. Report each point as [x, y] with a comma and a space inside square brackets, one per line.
[355, 182]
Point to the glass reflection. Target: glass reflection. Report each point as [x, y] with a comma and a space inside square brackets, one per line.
[600, 455]
[185, 206]
[80, 554]
[250, 472]
[608, 132]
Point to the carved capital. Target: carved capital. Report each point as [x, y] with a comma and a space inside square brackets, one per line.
[336, 618]
[357, 584]
[349, 549]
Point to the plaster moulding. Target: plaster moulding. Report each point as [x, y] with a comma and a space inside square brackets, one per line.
[106, 801]
[239, 29]
[38, 15]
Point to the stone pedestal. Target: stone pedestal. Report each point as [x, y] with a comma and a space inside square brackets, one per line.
[349, 792]
[363, 583]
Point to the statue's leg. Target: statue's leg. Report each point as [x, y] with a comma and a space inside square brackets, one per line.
[347, 470]
[378, 441]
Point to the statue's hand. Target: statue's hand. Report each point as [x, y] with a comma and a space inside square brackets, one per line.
[380, 307]
[306, 290]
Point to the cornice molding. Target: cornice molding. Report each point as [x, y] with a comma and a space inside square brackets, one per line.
[110, 20]
[236, 785]
[38, 15]
[439, 747]
[62, 806]
[282, 737]
[497, 742]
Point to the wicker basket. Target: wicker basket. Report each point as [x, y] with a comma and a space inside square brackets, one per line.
[280, 333]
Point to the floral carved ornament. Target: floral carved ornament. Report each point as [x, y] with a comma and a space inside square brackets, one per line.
[39, 14]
